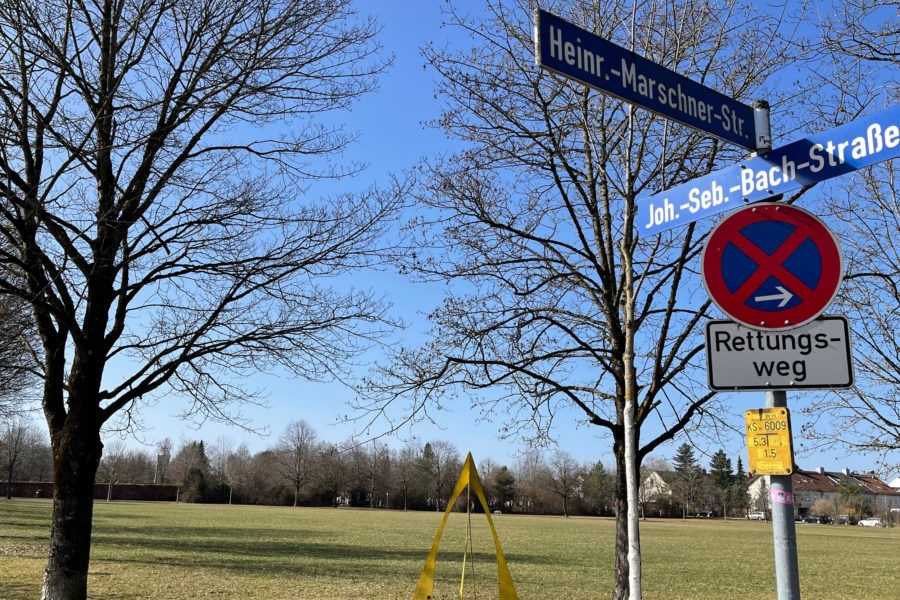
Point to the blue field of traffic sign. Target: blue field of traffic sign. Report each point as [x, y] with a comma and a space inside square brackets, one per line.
[772, 266]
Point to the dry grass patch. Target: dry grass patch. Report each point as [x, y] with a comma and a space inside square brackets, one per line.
[177, 551]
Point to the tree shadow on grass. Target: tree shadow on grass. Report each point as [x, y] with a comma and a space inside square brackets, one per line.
[14, 589]
[262, 551]
[267, 551]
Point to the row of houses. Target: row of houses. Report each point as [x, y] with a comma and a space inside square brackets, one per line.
[811, 489]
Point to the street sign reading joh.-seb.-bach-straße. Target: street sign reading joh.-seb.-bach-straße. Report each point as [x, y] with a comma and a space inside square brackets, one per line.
[860, 143]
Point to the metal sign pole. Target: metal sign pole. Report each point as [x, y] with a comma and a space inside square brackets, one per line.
[787, 573]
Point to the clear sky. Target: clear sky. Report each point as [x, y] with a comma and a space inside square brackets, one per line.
[393, 137]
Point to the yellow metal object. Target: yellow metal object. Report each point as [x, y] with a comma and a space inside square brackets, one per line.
[769, 441]
[468, 478]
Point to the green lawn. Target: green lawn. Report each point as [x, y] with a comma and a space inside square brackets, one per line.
[178, 551]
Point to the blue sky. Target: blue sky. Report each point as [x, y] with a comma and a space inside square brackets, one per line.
[393, 137]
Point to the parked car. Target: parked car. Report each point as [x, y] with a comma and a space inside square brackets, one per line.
[756, 516]
[871, 522]
[846, 520]
[821, 520]
[706, 514]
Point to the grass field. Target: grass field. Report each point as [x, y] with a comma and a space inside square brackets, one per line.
[179, 551]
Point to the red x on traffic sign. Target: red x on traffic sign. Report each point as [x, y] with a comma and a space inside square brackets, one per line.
[772, 266]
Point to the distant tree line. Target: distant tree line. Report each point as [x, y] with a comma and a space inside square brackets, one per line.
[686, 488]
[301, 470]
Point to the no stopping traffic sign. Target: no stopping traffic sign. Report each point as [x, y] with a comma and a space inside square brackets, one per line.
[772, 266]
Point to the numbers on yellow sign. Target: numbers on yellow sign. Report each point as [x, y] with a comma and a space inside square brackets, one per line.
[769, 441]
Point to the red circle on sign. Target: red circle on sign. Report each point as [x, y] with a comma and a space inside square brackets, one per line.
[772, 266]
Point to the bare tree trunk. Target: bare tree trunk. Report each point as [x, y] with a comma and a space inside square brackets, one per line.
[76, 456]
[631, 427]
[631, 488]
[620, 589]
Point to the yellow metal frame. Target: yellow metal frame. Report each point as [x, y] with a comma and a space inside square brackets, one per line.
[467, 479]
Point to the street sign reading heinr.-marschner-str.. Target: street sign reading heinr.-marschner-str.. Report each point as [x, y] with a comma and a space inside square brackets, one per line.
[578, 54]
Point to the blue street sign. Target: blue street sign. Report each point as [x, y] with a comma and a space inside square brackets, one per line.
[844, 149]
[578, 54]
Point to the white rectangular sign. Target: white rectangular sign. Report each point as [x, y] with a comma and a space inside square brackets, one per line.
[815, 356]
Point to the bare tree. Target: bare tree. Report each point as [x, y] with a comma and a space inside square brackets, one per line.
[380, 468]
[137, 466]
[38, 460]
[867, 417]
[564, 477]
[333, 472]
[17, 437]
[220, 481]
[111, 466]
[532, 473]
[861, 43]
[487, 472]
[152, 156]
[865, 30]
[18, 372]
[263, 486]
[237, 471]
[297, 456]
[441, 465]
[407, 471]
[557, 304]
[358, 469]
[163, 461]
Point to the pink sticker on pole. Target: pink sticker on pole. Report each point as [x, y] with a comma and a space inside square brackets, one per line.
[782, 497]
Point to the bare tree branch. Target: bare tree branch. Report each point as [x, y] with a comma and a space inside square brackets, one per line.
[153, 161]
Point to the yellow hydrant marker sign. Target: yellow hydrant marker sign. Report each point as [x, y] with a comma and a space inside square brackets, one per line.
[769, 441]
[468, 478]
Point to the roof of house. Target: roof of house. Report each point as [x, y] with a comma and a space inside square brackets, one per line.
[876, 485]
[811, 481]
[830, 482]
[665, 476]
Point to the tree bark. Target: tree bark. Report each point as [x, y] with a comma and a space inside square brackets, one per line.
[620, 588]
[76, 456]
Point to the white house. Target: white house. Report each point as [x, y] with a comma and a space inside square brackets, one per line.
[655, 495]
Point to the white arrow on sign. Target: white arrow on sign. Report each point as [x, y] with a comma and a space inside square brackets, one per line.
[785, 296]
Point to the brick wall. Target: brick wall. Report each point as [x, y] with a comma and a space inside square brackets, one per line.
[120, 491]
